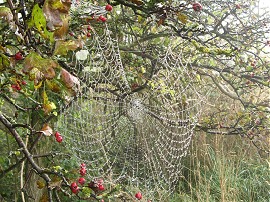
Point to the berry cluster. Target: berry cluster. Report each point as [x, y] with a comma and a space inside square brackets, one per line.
[101, 18]
[83, 169]
[58, 137]
[96, 185]
[17, 86]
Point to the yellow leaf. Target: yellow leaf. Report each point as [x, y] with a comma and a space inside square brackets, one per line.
[182, 17]
[38, 85]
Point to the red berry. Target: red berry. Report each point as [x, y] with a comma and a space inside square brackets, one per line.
[59, 139]
[74, 185]
[83, 171]
[83, 165]
[108, 8]
[102, 18]
[197, 6]
[18, 56]
[88, 34]
[81, 180]
[138, 195]
[75, 191]
[71, 33]
[24, 82]
[18, 87]
[57, 134]
[101, 187]
[14, 86]
[89, 28]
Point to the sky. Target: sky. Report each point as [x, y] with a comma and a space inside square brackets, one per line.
[265, 3]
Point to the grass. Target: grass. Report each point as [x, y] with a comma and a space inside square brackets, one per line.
[226, 169]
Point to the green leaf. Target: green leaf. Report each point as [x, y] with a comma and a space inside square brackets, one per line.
[38, 21]
[86, 191]
[4, 62]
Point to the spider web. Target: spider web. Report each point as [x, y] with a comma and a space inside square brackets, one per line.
[133, 133]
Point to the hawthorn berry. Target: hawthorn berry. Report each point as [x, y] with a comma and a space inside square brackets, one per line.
[108, 7]
[83, 171]
[102, 18]
[24, 82]
[73, 185]
[101, 187]
[88, 28]
[81, 180]
[138, 195]
[59, 139]
[75, 191]
[16, 87]
[197, 6]
[88, 34]
[57, 134]
[83, 165]
[18, 56]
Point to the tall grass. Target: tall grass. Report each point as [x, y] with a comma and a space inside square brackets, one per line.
[226, 169]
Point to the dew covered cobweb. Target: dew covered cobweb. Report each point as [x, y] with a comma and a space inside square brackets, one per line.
[131, 133]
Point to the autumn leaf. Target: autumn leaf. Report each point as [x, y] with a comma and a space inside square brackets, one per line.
[62, 47]
[62, 6]
[39, 68]
[62, 31]
[57, 16]
[46, 130]
[68, 79]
